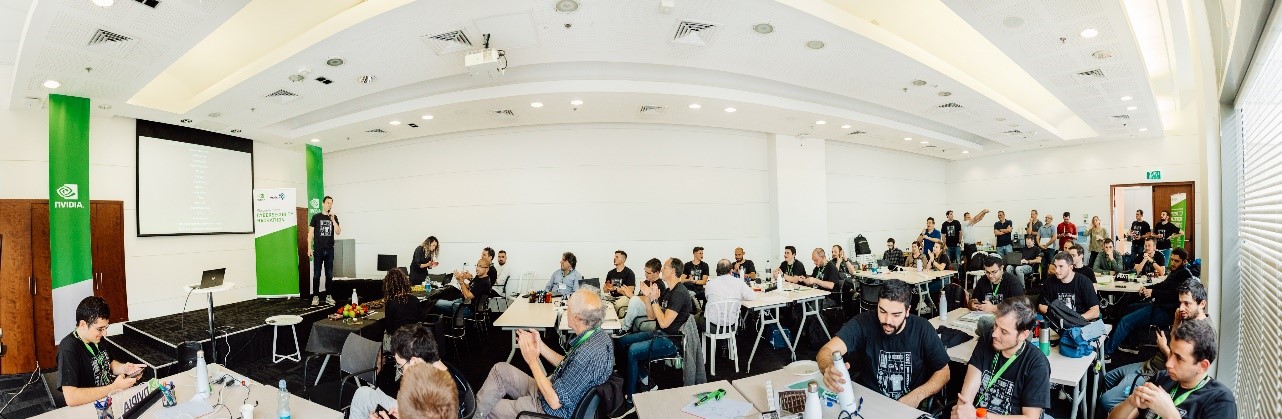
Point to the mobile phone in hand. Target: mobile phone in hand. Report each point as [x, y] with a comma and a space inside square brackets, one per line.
[381, 409]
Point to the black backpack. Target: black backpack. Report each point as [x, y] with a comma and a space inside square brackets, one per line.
[861, 246]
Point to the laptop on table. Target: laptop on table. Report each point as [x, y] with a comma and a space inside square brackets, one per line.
[212, 278]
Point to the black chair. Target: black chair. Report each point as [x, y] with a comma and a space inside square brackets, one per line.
[869, 290]
[466, 397]
[679, 356]
[589, 408]
[53, 391]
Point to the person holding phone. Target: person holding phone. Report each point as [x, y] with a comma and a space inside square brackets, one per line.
[86, 371]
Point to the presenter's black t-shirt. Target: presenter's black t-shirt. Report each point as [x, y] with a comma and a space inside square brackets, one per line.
[83, 365]
[323, 239]
[952, 233]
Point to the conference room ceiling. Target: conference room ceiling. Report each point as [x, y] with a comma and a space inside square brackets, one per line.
[1022, 77]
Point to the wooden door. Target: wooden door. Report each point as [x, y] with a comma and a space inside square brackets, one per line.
[107, 223]
[41, 270]
[1162, 202]
[16, 288]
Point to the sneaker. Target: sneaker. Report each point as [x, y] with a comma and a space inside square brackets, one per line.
[626, 409]
[315, 301]
[329, 299]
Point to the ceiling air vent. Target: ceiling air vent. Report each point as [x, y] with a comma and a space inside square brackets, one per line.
[110, 43]
[857, 132]
[149, 3]
[504, 114]
[376, 131]
[448, 42]
[282, 96]
[950, 105]
[651, 110]
[690, 32]
[1121, 117]
[1093, 73]
[1013, 132]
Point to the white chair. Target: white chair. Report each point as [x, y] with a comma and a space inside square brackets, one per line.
[722, 323]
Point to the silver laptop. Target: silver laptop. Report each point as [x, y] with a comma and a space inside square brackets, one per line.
[212, 278]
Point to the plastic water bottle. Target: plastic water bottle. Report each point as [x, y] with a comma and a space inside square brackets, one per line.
[202, 375]
[846, 396]
[943, 305]
[813, 409]
[282, 402]
[354, 301]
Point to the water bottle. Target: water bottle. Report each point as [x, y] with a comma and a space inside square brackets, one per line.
[1044, 341]
[943, 305]
[918, 265]
[282, 402]
[813, 408]
[247, 411]
[202, 375]
[354, 301]
[846, 395]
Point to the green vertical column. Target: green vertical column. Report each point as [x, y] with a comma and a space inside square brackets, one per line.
[70, 249]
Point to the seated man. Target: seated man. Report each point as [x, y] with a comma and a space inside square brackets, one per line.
[565, 280]
[620, 282]
[893, 256]
[916, 261]
[1030, 258]
[1151, 261]
[695, 274]
[749, 269]
[637, 304]
[1157, 312]
[670, 307]
[998, 286]
[468, 287]
[1079, 261]
[725, 287]
[1121, 380]
[790, 267]
[844, 265]
[86, 371]
[587, 364]
[426, 392]
[1109, 262]
[1072, 288]
[824, 275]
[894, 353]
[411, 344]
[1021, 386]
[1185, 389]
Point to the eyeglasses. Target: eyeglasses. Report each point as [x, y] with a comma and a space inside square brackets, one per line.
[400, 367]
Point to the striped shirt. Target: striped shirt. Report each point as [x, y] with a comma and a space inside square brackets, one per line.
[583, 368]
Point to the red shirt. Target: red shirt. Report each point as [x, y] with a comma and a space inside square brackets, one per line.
[1067, 232]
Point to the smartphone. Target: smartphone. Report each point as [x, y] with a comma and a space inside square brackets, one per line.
[136, 374]
[380, 408]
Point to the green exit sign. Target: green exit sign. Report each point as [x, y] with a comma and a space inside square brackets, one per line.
[1153, 175]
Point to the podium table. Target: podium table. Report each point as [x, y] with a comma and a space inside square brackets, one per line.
[209, 294]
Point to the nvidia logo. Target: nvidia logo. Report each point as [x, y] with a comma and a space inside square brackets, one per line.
[70, 191]
[315, 203]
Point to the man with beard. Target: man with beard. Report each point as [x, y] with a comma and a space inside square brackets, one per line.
[1185, 389]
[1158, 312]
[1121, 380]
[895, 353]
[1008, 378]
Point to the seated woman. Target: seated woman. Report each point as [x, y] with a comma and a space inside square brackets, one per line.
[402, 308]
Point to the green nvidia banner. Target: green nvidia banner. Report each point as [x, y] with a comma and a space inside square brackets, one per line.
[315, 188]
[70, 249]
[1179, 210]
[276, 242]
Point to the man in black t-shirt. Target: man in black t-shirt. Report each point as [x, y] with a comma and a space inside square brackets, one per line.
[670, 307]
[1185, 389]
[1030, 258]
[1140, 230]
[996, 286]
[1150, 261]
[952, 236]
[620, 282]
[1077, 292]
[695, 274]
[1079, 262]
[896, 353]
[824, 276]
[1006, 375]
[791, 269]
[320, 239]
[1165, 231]
[1002, 231]
[749, 269]
[86, 371]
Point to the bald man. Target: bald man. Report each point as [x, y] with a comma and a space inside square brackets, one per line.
[749, 269]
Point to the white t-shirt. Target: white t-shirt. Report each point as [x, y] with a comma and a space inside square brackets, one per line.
[968, 233]
[503, 272]
[726, 287]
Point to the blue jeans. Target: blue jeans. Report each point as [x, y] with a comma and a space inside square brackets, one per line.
[1003, 250]
[1118, 384]
[1166, 257]
[447, 307]
[954, 254]
[641, 347]
[322, 258]
[1144, 316]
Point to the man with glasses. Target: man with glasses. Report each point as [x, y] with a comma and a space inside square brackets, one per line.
[411, 344]
[1159, 311]
[636, 304]
[999, 286]
[468, 286]
[1007, 376]
[86, 371]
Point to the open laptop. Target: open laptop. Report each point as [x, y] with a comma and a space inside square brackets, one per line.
[595, 282]
[212, 278]
[1014, 258]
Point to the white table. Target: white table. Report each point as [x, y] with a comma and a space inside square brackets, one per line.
[209, 294]
[232, 396]
[875, 405]
[920, 280]
[1109, 287]
[667, 404]
[767, 306]
[1071, 372]
[523, 314]
[609, 322]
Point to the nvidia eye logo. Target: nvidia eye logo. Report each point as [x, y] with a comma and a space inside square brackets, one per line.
[70, 191]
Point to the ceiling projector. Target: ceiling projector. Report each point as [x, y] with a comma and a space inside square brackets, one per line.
[488, 62]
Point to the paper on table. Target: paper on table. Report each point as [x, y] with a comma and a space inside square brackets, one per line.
[192, 409]
[973, 316]
[717, 409]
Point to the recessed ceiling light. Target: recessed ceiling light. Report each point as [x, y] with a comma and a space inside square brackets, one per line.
[1143, 129]
[395, 122]
[1131, 108]
[536, 104]
[763, 28]
[695, 106]
[567, 6]
[821, 122]
[847, 126]
[576, 102]
[945, 93]
[316, 140]
[296, 77]
[925, 142]
[815, 44]
[908, 138]
[52, 84]
[965, 151]
[731, 109]
[428, 117]
[1126, 98]
[334, 61]
[1089, 33]
[104, 3]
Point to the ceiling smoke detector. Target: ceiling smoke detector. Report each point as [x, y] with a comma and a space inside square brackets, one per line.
[1102, 55]
[567, 6]
[297, 77]
[919, 82]
[334, 61]
[815, 44]
[763, 28]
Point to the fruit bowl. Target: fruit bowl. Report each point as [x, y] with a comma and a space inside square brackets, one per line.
[351, 311]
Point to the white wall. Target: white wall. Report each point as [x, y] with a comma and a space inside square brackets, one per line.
[155, 267]
[651, 190]
[881, 194]
[1076, 178]
[798, 168]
